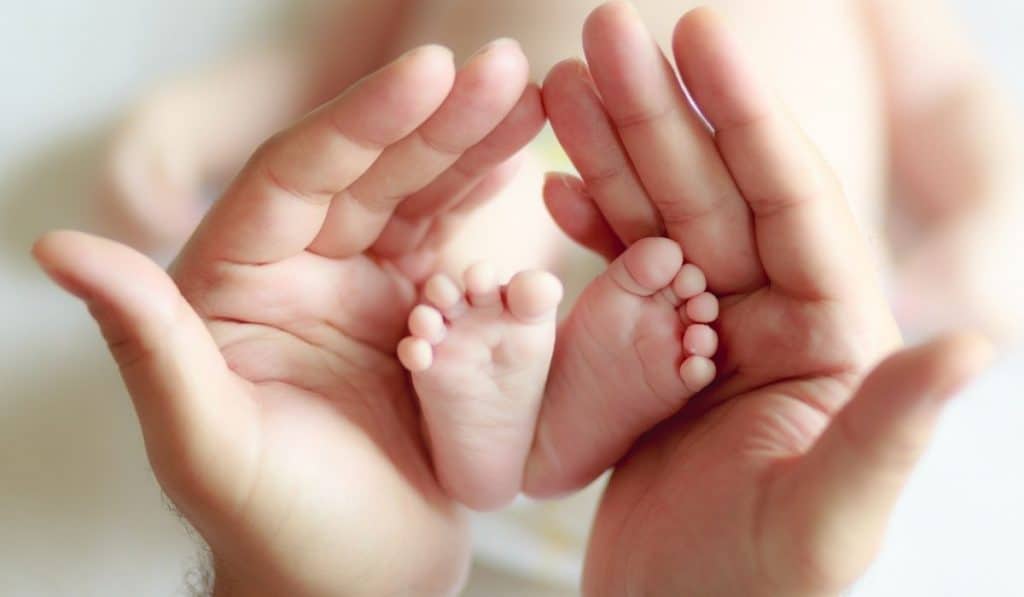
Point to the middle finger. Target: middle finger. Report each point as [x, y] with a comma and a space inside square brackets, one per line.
[672, 149]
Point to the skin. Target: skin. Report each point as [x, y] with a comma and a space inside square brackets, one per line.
[726, 200]
[275, 413]
[904, 72]
[636, 347]
[780, 478]
[480, 377]
[264, 365]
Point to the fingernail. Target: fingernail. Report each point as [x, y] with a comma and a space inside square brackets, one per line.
[420, 50]
[551, 177]
[561, 178]
[497, 43]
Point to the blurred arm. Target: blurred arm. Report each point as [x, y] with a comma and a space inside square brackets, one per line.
[263, 88]
[957, 165]
[352, 38]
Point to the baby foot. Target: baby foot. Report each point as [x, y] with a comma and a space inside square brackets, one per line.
[479, 362]
[635, 348]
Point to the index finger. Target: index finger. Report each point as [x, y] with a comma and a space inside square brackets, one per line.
[277, 204]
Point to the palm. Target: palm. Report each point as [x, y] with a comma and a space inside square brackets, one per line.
[721, 506]
[771, 335]
[333, 432]
[275, 413]
[704, 486]
[323, 433]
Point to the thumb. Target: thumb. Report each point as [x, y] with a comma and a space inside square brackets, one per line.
[838, 500]
[183, 392]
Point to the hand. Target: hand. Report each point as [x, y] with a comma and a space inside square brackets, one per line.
[779, 479]
[275, 414]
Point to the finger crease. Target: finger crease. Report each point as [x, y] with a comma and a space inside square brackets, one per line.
[318, 199]
[645, 117]
[437, 146]
[364, 144]
[383, 204]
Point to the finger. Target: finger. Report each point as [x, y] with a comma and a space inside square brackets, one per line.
[578, 215]
[834, 506]
[671, 148]
[517, 129]
[589, 138]
[192, 409]
[805, 233]
[485, 91]
[415, 213]
[276, 206]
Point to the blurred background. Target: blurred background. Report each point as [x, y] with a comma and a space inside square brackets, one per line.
[80, 513]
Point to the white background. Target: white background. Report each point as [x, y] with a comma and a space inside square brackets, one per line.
[79, 512]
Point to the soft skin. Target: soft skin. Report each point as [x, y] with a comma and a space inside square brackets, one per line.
[275, 413]
[780, 478]
[278, 419]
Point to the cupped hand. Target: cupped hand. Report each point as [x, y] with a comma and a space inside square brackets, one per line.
[275, 414]
[779, 478]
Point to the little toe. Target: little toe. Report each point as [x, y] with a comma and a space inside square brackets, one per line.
[482, 286]
[700, 340]
[427, 323]
[702, 308]
[415, 354]
[648, 266]
[533, 295]
[689, 282]
[443, 293]
[696, 373]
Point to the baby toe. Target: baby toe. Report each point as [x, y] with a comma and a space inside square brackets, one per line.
[648, 266]
[702, 308]
[533, 295]
[415, 354]
[427, 323]
[689, 282]
[482, 286]
[444, 294]
[700, 340]
[696, 373]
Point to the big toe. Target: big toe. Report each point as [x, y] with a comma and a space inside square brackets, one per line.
[648, 266]
[533, 295]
